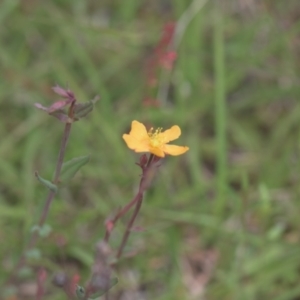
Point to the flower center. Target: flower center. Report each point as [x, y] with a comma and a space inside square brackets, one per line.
[156, 138]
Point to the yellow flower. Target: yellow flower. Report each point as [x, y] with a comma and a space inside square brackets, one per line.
[154, 142]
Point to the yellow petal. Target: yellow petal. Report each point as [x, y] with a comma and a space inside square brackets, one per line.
[171, 134]
[138, 131]
[135, 144]
[175, 150]
[157, 151]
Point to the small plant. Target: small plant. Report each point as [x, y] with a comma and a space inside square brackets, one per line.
[155, 142]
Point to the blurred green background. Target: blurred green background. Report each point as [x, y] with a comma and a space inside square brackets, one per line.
[221, 221]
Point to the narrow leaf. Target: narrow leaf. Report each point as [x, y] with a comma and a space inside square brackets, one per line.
[82, 109]
[70, 168]
[52, 187]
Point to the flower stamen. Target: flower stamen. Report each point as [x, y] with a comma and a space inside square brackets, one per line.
[156, 138]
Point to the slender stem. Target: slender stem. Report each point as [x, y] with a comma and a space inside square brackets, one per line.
[129, 225]
[128, 206]
[150, 160]
[59, 164]
[138, 200]
[121, 213]
[62, 151]
[34, 236]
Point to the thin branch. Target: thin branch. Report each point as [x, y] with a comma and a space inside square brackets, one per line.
[148, 173]
[142, 187]
[129, 226]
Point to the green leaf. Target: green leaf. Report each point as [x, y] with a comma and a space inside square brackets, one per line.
[70, 168]
[52, 187]
[43, 231]
[82, 109]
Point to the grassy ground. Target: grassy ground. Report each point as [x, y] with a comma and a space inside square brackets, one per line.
[220, 222]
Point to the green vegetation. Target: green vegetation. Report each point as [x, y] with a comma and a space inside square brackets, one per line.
[221, 220]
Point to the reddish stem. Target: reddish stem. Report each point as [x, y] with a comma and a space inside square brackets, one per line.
[128, 206]
[121, 213]
[138, 200]
[129, 226]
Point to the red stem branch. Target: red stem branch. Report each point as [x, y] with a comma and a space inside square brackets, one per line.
[138, 200]
[129, 225]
